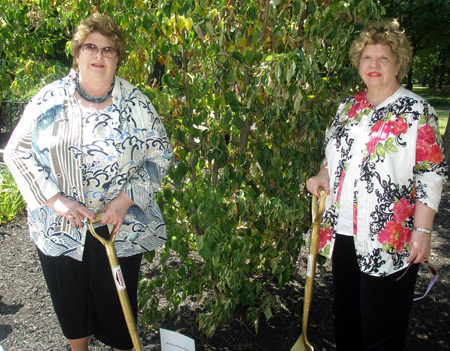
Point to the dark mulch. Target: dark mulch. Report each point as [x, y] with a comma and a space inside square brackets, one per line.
[27, 321]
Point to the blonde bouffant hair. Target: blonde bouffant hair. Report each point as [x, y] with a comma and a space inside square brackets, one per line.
[103, 25]
[385, 32]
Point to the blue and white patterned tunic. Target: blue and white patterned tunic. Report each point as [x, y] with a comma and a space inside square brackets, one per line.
[90, 157]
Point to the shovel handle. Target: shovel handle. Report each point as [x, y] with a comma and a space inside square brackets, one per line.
[119, 281]
[316, 212]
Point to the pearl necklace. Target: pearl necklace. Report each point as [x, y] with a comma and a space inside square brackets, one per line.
[88, 97]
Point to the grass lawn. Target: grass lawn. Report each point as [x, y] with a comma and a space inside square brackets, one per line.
[443, 120]
[440, 100]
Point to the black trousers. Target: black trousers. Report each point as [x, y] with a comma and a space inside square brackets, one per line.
[84, 293]
[371, 313]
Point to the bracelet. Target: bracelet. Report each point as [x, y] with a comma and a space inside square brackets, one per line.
[422, 230]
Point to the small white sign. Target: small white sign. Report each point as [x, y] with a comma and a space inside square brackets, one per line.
[173, 341]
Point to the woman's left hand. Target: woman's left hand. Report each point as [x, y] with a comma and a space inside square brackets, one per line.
[420, 247]
[116, 210]
[420, 243]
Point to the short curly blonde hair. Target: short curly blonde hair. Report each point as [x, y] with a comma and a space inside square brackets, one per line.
[386, 32]
[103, 25]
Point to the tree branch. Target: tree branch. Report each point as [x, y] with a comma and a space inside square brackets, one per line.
[266, 21]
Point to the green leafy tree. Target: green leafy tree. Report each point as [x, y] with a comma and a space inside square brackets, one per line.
[246, 89]
[427, 24]
[32, 47]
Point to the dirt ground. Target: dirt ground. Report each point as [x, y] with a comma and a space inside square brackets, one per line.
[27, 320]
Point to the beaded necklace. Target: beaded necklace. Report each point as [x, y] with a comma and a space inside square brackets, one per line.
[88, 97]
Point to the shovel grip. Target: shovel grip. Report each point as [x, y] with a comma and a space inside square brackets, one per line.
[317, 211]
[108, 243]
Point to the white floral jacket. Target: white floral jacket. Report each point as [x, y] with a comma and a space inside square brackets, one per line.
[397, 146]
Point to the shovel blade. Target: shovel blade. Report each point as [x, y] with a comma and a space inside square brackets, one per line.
[300, 345]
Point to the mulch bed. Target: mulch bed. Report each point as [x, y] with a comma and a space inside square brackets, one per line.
[27, 320]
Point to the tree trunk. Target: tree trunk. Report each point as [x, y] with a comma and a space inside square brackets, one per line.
[443, 62]
[423, 82]
[409, 84]
[433, 80]
[446, 142]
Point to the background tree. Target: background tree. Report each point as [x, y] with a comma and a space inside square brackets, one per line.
[427, 23]
[246, 89]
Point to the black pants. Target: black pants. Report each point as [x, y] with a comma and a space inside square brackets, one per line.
[371, 313]
[84, 293]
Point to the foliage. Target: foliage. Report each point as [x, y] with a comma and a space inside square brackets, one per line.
[11, 201]
[426, 21]
[427, 25]
[32, 46]
[246, 89]
[424, 65]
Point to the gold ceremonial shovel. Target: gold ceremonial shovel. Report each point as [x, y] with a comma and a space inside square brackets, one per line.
[302, 343]
[120, 283]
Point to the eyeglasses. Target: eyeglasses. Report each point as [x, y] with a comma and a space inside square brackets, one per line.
[432, 281]
[92, 49]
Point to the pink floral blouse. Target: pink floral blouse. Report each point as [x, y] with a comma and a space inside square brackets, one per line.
[397, 147]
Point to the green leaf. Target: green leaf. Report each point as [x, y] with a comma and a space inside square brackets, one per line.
[252, 13]
[389, 145]
[238, 121]
[265, 158]
[380, 150]
[312, 7]
[297, 101]
[290, 73]
[250, 55]
[231, 99]
[209, 28]
[181, 23]
[238, 56]
[268, 312]
[188, 23]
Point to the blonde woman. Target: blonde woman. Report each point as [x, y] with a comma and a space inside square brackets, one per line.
[384, 172]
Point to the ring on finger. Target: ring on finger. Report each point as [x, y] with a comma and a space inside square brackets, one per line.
[75, 214]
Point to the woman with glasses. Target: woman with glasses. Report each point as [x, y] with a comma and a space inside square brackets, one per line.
[87, 144]
[384, 171]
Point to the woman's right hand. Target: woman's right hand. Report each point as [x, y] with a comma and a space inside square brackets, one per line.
[72, 210]
[321, 180]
